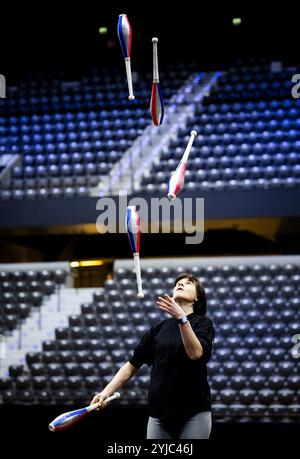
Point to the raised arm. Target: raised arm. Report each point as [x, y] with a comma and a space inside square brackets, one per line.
[190, 341]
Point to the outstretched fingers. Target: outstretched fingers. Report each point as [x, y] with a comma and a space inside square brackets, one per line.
[165, 300]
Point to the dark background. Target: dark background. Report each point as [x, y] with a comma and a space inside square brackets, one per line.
[64, 35]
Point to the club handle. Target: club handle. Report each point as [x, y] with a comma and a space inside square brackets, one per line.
[129, 78]
[155, 60]
[189, 146]
[109, 399]
[136, 258]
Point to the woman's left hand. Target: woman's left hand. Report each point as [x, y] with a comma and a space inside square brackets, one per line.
[167, 304]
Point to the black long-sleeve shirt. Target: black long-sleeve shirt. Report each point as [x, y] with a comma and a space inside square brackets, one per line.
[178, 385]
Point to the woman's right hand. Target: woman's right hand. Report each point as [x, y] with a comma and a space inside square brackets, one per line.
[100, 399]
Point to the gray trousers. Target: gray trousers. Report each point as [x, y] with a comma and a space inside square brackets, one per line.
[197, 427]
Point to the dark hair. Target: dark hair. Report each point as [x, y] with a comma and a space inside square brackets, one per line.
[200, 304]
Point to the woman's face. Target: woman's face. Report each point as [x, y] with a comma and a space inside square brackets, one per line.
[185, 290]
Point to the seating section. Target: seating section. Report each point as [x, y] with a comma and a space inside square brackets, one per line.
[249, 136]
[69, 134]
[256, 312]
[20, 291]
[254, 81]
